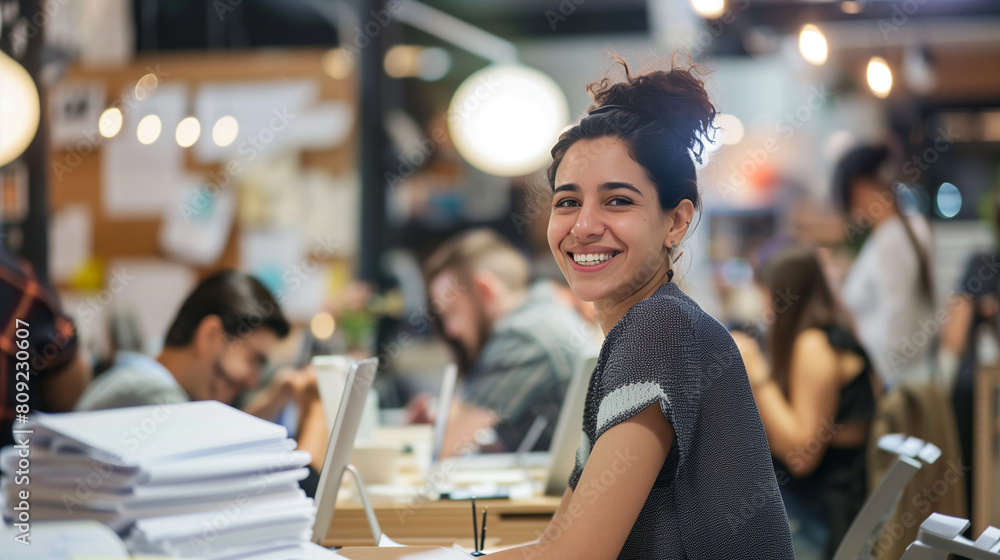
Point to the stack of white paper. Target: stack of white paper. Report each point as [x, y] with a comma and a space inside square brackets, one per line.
[197, 480]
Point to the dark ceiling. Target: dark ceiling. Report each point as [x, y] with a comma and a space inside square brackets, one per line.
[227, 24]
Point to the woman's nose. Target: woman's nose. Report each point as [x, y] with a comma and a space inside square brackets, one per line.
[588, 222]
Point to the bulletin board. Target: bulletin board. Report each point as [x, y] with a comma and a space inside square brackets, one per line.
[75, 174]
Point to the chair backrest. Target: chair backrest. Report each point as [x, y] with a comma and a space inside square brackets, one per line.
[911, 455]
[941, 535]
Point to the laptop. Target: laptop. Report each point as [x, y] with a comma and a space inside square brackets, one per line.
[569, 426]
[561, 457]
[445, 393]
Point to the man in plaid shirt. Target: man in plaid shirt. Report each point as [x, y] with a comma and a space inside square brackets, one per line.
[56, 371]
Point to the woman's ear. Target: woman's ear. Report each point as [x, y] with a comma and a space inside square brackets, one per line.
[680, 222]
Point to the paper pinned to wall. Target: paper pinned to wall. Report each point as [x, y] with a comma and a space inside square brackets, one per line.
[278, 257]
[153, 290]
[331, 207]
[140, 180]
[322, 126]
[71, 239]
[74, 109]
[264, 113]
[196, 227]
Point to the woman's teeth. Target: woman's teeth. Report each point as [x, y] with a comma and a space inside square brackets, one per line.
[592, 259]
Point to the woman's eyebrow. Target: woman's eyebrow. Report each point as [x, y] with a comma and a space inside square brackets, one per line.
[615, 185]
[609, 186]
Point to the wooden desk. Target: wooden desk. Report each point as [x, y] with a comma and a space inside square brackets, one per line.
[371, 553]
[443, 522]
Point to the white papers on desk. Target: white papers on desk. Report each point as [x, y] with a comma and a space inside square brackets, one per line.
[165, 475]
[142, 435]
[64, 540]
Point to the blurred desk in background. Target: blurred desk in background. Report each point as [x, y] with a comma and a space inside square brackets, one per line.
[443, 523]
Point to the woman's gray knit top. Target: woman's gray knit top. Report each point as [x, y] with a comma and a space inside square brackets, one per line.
[716, 496]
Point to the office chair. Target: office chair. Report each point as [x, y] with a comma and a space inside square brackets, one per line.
[912, 454]
[941, 535]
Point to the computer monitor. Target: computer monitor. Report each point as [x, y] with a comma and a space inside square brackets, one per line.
[445, 393]
[338, 452]
[331, 380]
[569, 426]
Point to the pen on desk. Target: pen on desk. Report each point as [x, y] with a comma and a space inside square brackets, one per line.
[475, 530]
[482, 536]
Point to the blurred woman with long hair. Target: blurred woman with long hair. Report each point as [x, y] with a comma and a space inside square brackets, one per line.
[889, 288]
[816, 397]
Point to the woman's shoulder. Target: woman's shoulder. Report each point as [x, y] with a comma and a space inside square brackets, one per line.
[664, 310]
[668, 321]
[816, 342]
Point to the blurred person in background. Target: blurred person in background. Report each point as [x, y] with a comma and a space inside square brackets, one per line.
[516, 343]
[973, 312]
[40, 354]
[816, 397]
[889, 287]
[217, 347]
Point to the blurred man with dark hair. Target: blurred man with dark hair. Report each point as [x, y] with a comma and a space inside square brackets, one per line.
[217, 346]
[517, 344]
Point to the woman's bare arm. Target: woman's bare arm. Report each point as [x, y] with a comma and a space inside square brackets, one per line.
[800, 427]
[615, 484]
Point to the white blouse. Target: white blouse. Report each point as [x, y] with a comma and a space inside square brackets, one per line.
[896, 325]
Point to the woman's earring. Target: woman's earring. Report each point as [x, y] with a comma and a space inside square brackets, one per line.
[677, 258]
[675, 244]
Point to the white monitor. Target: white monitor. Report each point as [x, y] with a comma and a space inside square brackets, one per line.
[360, 376]
[566, 438]
[445, 393]
[331, 379]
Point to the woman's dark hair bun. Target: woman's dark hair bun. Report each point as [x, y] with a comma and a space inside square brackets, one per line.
[675, 99]
[663, 118]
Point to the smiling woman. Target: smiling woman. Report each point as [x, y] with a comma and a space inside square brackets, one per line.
[674, 461]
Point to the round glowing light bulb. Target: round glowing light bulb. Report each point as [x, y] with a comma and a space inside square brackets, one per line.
[504, 119]
[336, 64]
[145, 85]
[879, 77]
[812, 45]
[732, 128]
[188, 131]
[149, 129]
[110, 122]
[225, 131]
[709, 9]
[19, 109]
[322, 325]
